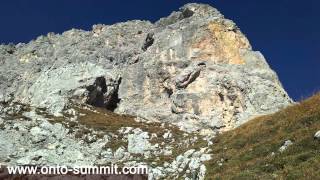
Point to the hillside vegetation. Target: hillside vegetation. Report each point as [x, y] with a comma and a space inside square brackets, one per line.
[252, 150]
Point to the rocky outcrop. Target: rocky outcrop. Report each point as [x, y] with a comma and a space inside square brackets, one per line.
[194, 69]
[30, 136]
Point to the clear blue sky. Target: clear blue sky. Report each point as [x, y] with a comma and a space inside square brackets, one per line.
[287, 32]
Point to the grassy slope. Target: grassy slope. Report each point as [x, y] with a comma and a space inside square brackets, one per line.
[246, 151]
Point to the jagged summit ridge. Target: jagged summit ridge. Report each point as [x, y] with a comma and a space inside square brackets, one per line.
[194, 69]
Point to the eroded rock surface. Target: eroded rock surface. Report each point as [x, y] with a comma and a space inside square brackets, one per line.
[193, 68]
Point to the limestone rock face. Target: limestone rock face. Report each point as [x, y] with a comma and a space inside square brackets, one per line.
[193, 68]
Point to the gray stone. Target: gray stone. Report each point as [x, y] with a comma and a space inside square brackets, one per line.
[108, 154]
[138, 142]
[38, 134]
[189, 152]
[120, 153]
[194, 164]
[202, 172]
[24, 161]
[167, 152]
[167, 135]
[1, 97]
[155, 173]
[285, 146]
[317, 135]
[205, 157]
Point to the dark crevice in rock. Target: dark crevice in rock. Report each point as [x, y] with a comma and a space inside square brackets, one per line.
[96, 92]
[189, 75]
[188, 79]
[186, 13]
[193, 77]
[169, 92]
[148, 42]
[10, 48]
[101, 95]
[114, 99]
[221, 97]
[202, 64]
[10, 51]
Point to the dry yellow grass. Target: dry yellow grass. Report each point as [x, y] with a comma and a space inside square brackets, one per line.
[246, 152]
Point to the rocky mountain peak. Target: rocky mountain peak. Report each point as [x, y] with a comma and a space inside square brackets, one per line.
[191, 11]
[133, 93]
[194, 69]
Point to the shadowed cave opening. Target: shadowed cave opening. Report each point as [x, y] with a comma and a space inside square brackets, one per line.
[96, 92]
[148, 42]
[101, 96]
[114, 99]
[186, 13]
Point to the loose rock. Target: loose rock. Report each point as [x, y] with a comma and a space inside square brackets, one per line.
[286, 144]
[317, 135]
